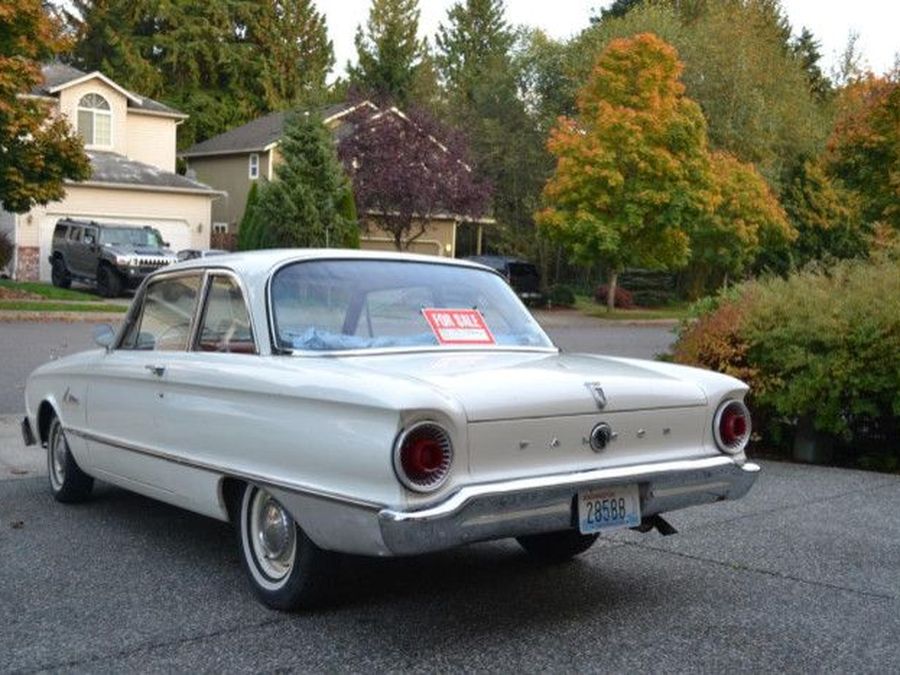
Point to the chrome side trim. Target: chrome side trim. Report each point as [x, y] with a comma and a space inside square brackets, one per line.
[626, 473]
[257, 478]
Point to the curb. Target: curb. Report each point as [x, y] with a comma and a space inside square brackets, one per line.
[66, 317]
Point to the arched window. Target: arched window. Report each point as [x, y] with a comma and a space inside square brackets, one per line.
[95, 120]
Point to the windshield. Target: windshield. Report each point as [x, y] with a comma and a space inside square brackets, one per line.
[130, 236]
[337, 305]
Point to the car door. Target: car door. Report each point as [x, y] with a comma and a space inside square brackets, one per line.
[72, 253]
[206, 399]
[126, 393]
[87, 252]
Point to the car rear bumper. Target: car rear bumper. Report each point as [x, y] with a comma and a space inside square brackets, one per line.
[547, 503]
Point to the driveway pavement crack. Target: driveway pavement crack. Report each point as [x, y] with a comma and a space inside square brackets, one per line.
[788, 507]
[770, 573]
[150, 645]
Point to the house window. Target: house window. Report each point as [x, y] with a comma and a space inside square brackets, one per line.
[254, 166]
[95, 120]
[220, 228]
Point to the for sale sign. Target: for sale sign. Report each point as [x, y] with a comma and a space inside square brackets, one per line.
[458, 326]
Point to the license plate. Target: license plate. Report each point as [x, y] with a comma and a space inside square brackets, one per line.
[609, 509]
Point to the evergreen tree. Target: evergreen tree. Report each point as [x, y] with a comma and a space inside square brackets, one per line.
[475, 40]
[38, 151]
[306, 206]
[293, 37]
[224, 63]
[247, 233]
[389, 51]
[807, 49]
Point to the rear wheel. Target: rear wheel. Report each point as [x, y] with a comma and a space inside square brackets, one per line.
[59, 273]
[67, 481]
[557, 546]
[109, 283]
[286, 568]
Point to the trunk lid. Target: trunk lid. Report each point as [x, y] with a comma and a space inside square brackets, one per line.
[511, 385]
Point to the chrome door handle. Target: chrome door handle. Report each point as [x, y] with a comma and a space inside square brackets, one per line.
[159, 371]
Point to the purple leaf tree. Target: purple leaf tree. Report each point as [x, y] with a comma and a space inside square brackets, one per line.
[406, 168]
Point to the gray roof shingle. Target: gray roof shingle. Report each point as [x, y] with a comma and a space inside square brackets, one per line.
[110, 168]
[57, 74]
[260, 133]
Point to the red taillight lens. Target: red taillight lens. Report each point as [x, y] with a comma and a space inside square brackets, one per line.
[732, 426]
[423, 456]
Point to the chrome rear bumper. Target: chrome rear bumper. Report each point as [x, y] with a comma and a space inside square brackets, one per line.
[546, 503]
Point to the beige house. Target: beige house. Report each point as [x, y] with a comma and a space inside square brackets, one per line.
[233, 161]
[130, 140]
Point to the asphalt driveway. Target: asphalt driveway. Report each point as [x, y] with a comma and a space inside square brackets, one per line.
[803, 575]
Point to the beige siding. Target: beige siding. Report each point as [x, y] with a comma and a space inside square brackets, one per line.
[68, 106]
[231, 174]
[438, 238]
[183, 218]
[151, 139]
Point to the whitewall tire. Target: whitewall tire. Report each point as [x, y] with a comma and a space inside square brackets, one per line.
[68, 482]
[285, 567]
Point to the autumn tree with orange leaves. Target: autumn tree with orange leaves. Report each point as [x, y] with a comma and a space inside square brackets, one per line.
[37, 151]
[864, 148]
[633, 172]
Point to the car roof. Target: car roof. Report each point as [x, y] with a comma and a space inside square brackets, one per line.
[263, 261]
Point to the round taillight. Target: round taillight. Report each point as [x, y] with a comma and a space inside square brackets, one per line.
[422, 456]
[731, 426]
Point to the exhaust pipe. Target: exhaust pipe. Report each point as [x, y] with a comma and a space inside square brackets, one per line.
[657, 523]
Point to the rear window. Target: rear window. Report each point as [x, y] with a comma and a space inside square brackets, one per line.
[338, 305]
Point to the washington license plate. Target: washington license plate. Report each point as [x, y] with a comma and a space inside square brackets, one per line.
[609, 508]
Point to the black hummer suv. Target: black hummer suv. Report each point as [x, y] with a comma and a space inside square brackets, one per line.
[114, 257]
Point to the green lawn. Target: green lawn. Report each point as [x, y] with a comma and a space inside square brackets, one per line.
[586, 305]
[48, 291]
[51, 306]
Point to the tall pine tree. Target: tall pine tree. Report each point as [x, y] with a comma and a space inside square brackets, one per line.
[307, 205]
[475, 40]
[389, 51]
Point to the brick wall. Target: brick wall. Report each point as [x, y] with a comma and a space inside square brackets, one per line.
[28, 263]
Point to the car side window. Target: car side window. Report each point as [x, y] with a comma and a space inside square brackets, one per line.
[164, 322]
[89, 237]
[226, 322]
[75, 234]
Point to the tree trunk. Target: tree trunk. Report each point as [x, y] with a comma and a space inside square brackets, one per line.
[398, 241]
[611, 290]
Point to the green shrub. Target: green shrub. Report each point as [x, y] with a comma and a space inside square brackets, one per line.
[561, 295]
[821, 345]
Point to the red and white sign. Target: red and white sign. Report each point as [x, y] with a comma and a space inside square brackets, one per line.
[458, 326]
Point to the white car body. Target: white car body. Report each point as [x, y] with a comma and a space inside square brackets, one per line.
[319, 430]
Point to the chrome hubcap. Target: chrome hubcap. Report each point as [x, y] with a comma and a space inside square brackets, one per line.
[57, 453]
[274, 535]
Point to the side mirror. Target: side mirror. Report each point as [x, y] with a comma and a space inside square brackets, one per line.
[104, 335]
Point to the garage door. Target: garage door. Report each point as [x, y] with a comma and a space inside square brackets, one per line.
[176, 232]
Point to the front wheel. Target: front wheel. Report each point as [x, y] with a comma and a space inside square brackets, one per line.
[557, 546]
[109, 283]
[59, 274]
[286, 568]
[67, 481]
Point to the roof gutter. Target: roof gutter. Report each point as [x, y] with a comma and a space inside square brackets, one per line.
[209, 192]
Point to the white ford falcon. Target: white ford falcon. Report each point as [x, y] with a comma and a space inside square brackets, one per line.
[380, 404]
